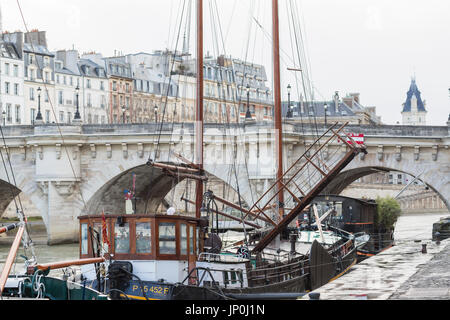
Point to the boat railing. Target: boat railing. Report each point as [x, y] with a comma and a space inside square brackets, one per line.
[216, 257]
[277, 273]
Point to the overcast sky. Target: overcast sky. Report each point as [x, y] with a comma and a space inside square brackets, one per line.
[366, 46]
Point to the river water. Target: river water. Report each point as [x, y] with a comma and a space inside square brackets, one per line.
[408, 228]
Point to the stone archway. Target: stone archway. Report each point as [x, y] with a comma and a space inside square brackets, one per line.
[347, 177]
[152, 187]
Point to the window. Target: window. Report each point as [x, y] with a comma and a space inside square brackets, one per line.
[18, 120]
[60, 97]
[7, 69]
[143, 237]
[7, 87]
[84, 238]
[184, 239]
[122, 238]
[61, 116]
[16, 70]
[114, 85]
[33, 115]
[103, 103]
[102, 85]
[8, 113]
[47, 116]
[69, 117]
[167, 239]
[88, 83]
[191, 239]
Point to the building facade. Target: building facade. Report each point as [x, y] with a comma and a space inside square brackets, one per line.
[39, 78]
[121, 108]
[67, 80]
[12, 106]
[155, 93]
[94, 92]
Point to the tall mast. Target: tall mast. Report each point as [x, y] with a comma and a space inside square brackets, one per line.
[199, 108]
[277, 106]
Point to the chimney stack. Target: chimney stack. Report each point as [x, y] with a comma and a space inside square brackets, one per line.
[36, 37]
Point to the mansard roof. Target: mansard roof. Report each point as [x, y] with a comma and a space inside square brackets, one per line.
[8, 50]
[413, 92]
[89, 68]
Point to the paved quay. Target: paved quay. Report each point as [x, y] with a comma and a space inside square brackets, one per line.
[402, 272]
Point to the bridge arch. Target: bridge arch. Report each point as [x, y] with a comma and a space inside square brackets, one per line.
[152, 187]
[347, 177]
[27, 189]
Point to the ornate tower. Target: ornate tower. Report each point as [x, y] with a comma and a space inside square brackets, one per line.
[414, 112]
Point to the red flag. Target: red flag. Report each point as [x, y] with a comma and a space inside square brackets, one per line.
[105, 230]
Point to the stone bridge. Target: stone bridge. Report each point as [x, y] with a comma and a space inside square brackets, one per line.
[68, 170]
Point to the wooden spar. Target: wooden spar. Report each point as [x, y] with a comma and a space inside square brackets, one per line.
[174, 168]
[185, 175]
[226, 215]
[296, 162]
[199, 109]
[189, 163]
[232, 205]
[277, 105]
[11, 257]
[306, 200]
[65, 264]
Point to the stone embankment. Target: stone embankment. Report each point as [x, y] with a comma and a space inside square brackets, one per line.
[402, 272]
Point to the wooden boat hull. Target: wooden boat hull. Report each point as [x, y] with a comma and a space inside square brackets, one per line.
[134, 290]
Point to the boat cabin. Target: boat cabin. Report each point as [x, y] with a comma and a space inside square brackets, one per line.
[158, 247]
[141, 237]
[352, 215]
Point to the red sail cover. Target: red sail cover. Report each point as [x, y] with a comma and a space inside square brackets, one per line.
[105, 230]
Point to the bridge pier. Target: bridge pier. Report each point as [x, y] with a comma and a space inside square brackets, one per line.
[63, 209]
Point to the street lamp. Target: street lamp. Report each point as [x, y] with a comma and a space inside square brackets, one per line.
[156, 113]
[248, 115]
[124, 109]
[77, 113]
[39, 114]
[289, 111]
[325, 107]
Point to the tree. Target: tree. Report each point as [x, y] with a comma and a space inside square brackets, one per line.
[388, 212]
